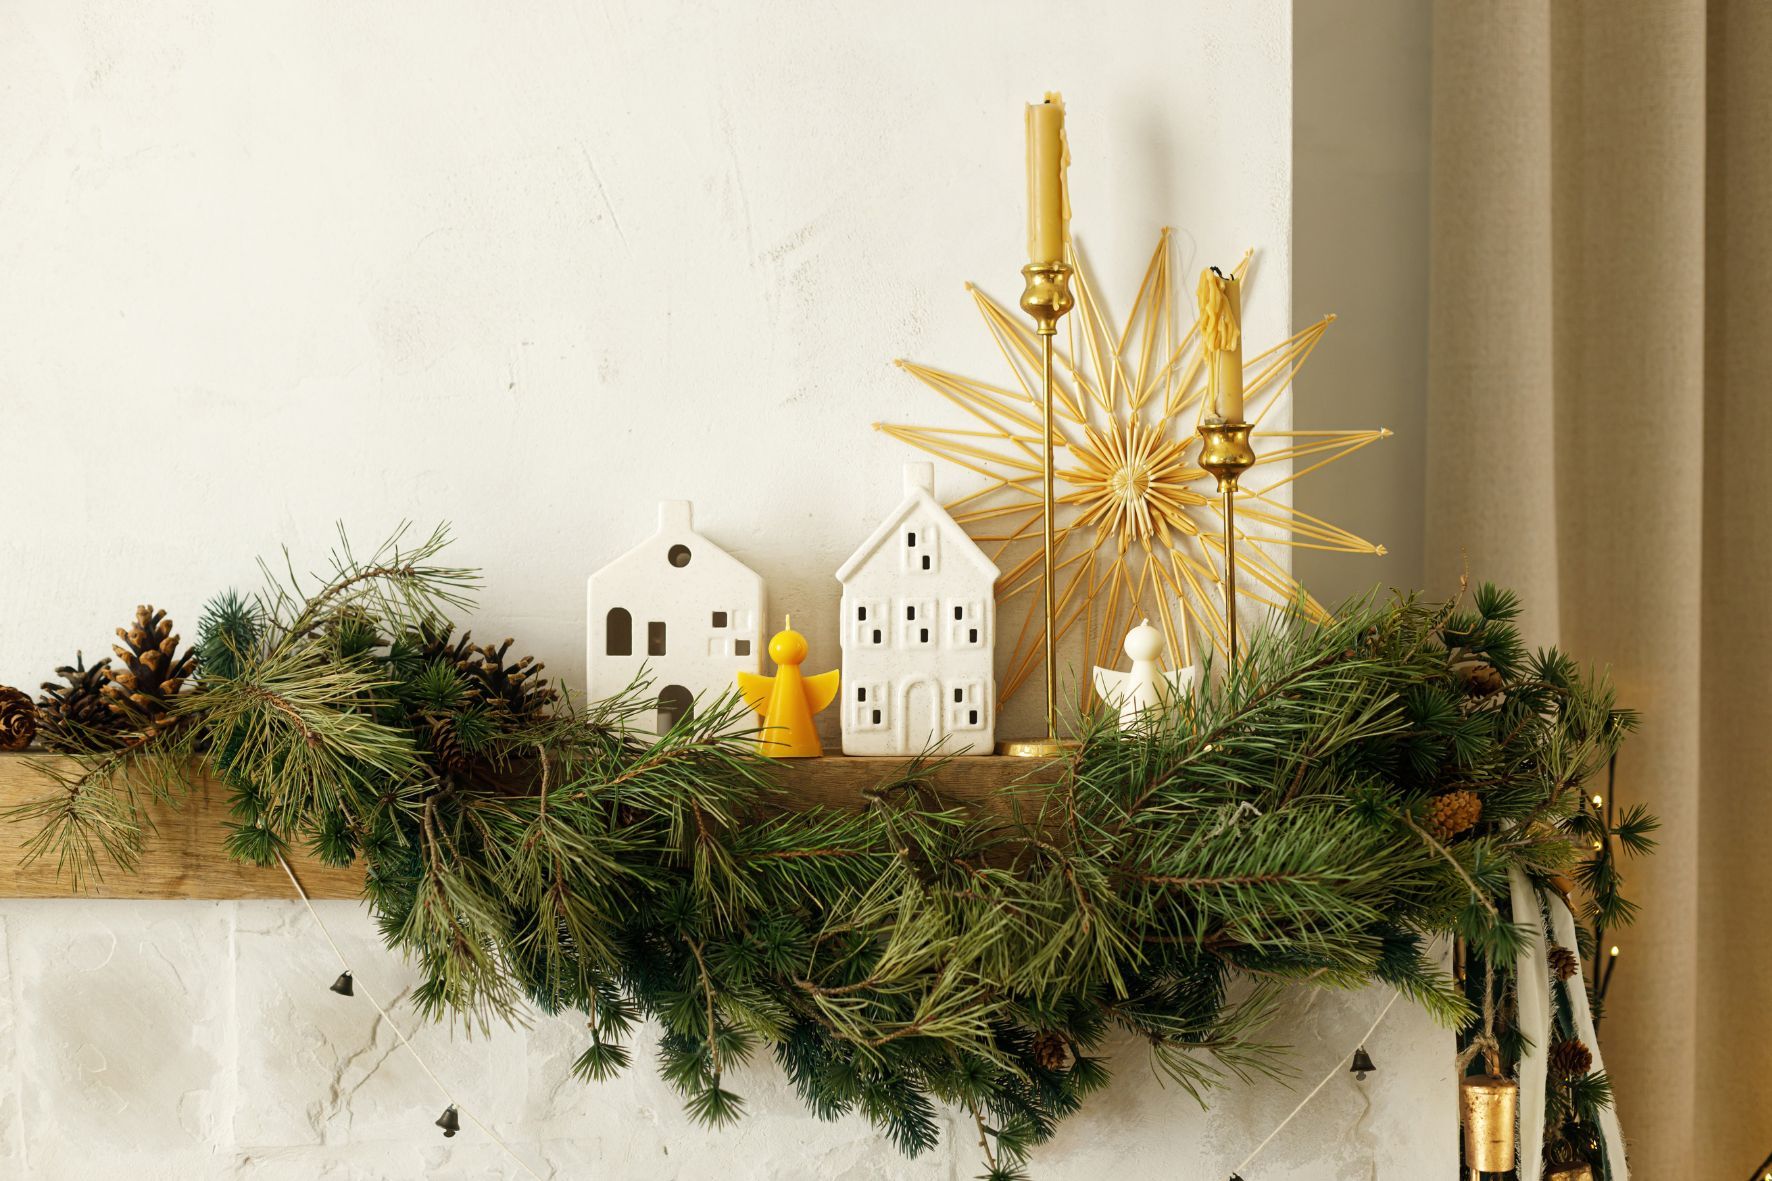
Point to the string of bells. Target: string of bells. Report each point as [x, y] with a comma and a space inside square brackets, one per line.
[1361, 1066]
[450, 1120]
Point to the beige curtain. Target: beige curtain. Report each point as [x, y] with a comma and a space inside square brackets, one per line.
[1599, 438]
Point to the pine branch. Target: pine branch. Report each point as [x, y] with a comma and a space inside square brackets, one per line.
[912, 950]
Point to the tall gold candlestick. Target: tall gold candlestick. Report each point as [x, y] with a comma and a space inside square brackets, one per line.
[1225, 452]
[1046, 297]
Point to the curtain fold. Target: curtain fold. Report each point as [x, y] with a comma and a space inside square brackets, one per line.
[1599, 421]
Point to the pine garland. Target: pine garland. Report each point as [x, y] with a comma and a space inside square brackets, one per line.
[1274, 830]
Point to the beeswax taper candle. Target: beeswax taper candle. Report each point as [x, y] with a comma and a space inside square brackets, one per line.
[1221, 332]
[1049, 211]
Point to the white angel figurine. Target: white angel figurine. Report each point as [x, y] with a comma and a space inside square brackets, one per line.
[1147, 686]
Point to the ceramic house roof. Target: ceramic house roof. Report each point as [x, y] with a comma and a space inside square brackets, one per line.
[919, 480]
[676, 523]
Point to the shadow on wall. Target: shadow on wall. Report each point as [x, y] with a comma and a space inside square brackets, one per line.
[1360, 77]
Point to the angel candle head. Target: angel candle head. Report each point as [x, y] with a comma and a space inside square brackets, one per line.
[1221, 333]
[1049, 199]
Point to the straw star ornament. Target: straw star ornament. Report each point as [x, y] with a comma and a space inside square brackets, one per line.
[1138, 527]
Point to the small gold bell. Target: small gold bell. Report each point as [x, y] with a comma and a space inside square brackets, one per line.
[449, 1121]
[1574, 1171]
[1487, 1106]
[1362, 1065]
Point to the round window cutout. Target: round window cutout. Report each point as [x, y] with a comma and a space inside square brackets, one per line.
[678, 555]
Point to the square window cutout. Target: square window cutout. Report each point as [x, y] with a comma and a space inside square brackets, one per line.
[719, 619]
[741, 647]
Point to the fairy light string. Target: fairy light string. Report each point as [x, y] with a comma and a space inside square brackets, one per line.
[393, 1025]
[1236, 1173]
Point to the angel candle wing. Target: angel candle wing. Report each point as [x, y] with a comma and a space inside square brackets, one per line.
[788, 700]
[1146, 687]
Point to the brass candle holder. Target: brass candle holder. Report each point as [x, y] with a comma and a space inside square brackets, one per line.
[1046, 297]
[1225, 452]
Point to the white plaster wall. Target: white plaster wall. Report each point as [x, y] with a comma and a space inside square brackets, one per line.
[171, 1041]
[532, 269]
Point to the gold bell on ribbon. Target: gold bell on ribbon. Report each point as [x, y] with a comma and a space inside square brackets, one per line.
[1487, 1107]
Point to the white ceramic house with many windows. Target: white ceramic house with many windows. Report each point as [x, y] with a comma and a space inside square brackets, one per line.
[678, 607]
[918, 632]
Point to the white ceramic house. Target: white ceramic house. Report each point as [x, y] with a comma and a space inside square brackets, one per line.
[678, 607]
[918, 632]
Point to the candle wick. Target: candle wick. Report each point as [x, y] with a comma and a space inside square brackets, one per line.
[1218, 272]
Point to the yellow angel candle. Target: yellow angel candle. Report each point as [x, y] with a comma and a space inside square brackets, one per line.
[788, 700]
[1221, 335]
[1049, 199]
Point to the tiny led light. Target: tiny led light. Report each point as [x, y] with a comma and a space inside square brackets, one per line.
[1597, 802]
[1614, 951]
[1597, 845]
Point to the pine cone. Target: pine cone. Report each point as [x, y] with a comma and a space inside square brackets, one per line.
[1452, 813]
[448, 757]
[75, 717]
[1564, 962]
[516, 689]
[18, 719]
[143, 689]
[1570, 1059]
[435, 644]
[1050, 1051]
[1482, 680]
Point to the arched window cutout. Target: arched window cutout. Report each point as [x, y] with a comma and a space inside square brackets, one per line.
[618, 632]
[675, 704]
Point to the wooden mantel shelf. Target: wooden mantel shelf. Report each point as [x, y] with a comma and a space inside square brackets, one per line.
[184, 858]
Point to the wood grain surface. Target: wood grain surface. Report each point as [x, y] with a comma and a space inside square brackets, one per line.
[183, 857]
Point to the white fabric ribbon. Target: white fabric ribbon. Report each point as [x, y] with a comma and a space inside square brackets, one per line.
[1563, 930]
[1532, 994]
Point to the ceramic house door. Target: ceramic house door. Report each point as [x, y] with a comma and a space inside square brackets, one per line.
[920, 715]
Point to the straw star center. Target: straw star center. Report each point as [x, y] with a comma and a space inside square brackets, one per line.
[1132, 483]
